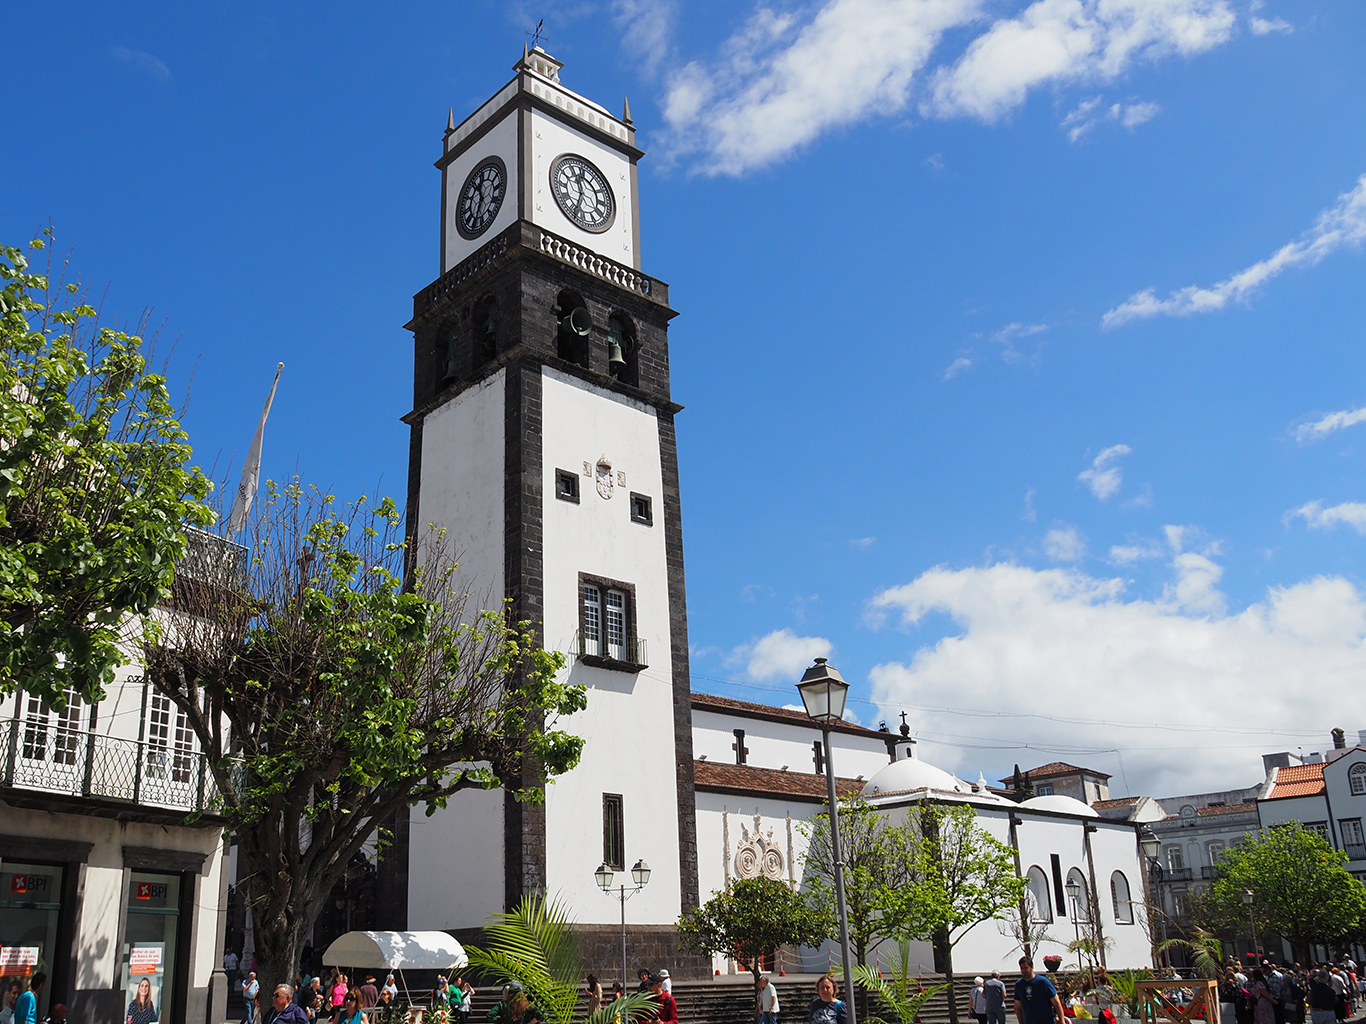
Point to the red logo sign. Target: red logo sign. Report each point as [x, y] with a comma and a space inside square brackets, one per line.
[144, 890]
[19, 883]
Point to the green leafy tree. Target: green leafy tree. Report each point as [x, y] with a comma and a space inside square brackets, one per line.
[329, 697]
[1205, 950]
[879, 863]
[751, 918]
[964, 876]
[535, 946]
[1300, 888]
[95, 488]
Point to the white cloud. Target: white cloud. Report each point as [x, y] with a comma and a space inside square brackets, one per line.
[1030, 513]
[1325, 425]
[144, 62]
[1064, 544]
[1128, 554]
[935, 162]
[1264, 27]
[863, 543]
[1007, 336]
[1351, 513]
[957, 366]
[778, 83]
[1060, 644]
[1054, 41]
[1089, 113]
[784, 79]
[646, 27]
[781, 653]
[1104, 477]
[1343, 224]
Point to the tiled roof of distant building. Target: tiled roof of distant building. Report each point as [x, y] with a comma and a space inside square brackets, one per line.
[711, 702]
[1124, 801]
[1052, 769]
[1297, 780]
[1206, 812]
[744, 780]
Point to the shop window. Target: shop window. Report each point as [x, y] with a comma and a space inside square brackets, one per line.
[150, 951]
[30, 907]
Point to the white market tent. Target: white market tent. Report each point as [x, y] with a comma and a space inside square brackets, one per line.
[394, 951]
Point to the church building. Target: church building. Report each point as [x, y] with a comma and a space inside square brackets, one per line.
[543, 443]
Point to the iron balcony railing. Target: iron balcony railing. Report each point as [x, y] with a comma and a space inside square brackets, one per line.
[1208, 871]
[1355, 851]
[627, 652]
[1178, 875]
[46, 758]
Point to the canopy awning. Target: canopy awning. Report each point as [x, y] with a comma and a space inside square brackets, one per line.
[396, 950]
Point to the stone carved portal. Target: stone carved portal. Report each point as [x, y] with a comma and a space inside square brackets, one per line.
[757, 855]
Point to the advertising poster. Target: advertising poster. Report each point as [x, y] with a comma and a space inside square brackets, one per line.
[18, 961]
[145, 974]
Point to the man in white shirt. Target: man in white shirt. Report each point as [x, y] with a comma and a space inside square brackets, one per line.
[768, 1001]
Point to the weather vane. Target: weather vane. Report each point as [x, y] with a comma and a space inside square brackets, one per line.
[536, 36]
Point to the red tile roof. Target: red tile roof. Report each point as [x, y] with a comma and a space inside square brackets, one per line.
[711, 702]
[1297, 780]
[1052, 769]
[744, 780]
[1124, 801]
[1205, 812]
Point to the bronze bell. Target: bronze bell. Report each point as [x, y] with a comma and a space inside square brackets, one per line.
[616, 362]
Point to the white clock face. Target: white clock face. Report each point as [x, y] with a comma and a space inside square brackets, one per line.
[582, 192]
[481, 197]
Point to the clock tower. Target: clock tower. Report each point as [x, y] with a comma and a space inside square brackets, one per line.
[543, 443]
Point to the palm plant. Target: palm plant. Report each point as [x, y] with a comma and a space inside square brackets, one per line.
[902, 996]
[534, 946]
[1207, 952]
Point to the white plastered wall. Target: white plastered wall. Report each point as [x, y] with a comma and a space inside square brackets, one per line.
[774, 744]
[500, 141]
[628, 724]
[549, 139]
[455, 874]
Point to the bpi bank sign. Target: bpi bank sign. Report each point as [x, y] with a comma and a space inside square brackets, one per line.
[36, 884]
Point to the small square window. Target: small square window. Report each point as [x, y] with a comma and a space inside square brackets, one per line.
[641, 509]
[567, 485]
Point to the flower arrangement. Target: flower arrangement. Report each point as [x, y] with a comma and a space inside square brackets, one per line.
[1052, 962]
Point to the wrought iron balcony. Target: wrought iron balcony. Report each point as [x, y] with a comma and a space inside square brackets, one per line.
[1208, 871]
[42, 757]
[1177, 875]
[627, 654]
[1355, 851]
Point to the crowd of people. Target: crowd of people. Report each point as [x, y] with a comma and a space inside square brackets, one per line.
[20, 1005]
[1271, 994]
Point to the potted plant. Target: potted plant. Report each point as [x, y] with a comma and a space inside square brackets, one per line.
[1052, 962]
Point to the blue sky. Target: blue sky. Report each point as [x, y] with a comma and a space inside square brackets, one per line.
[1010, 333]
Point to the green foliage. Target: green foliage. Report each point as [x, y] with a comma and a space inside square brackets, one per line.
[535, 947]
[963, 876]
[902, 995]
[1207, 952]
[754, 916]
[880, 865]
[1300, 888]
[334, 678]
[1124, 983]
[94, 488]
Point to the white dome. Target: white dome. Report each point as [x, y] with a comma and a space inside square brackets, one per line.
[1060, 804]
[908, 774]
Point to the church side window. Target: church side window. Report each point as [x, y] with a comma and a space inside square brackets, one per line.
[607, 623]
[1040, 905]
[1357, 777]
[613, 828]
[1083, 905]
[616, 624]
[1119, 895]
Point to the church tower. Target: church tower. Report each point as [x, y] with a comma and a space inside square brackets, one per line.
[543, 442]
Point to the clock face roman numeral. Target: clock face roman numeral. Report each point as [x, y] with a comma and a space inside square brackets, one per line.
[481, 197]
[582, 192]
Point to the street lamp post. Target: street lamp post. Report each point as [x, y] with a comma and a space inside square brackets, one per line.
[1151, 848]
[1074, 895]
[640, 874]
[1249, 899]
[823, 692]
